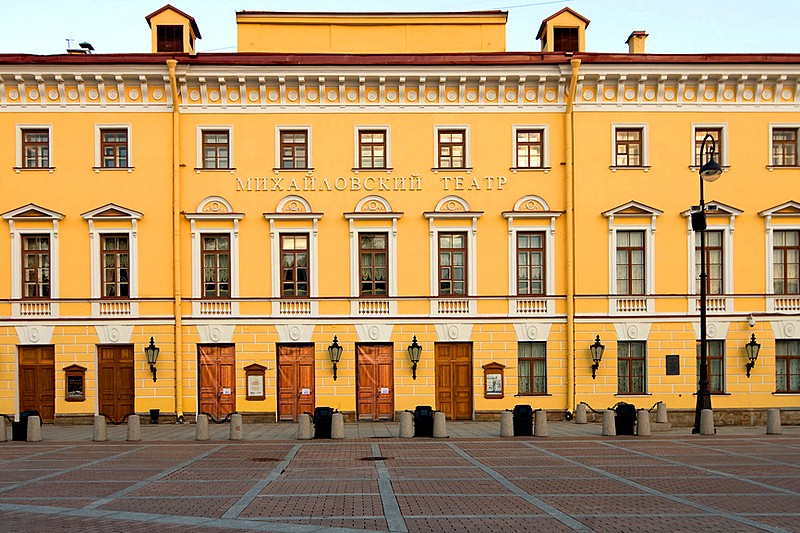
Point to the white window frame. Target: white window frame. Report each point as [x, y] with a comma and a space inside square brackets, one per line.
[786, 211]
[98, 137]
[723, 142]
[19, 156]
[309, 154]
[545, 148]
[776, 125]
[467, 147]
[199, 148]
[645, 162]
[357, 155]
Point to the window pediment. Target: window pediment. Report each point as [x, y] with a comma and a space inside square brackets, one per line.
[452, 207]
[293, 207]
[373, 207]
[718, 209]
[32, 212]
[633, 209]
[787, 209]
[112, 211]
[215, 207]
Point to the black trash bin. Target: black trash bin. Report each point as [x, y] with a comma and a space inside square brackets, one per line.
[625, 419]
[423, 421]
[323, 418]
[19, 430]
[523, 420]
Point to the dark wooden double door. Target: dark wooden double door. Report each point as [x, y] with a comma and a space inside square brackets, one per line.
[295, 380]
[115, 388]
[454, 380]
[375, 381]
[217, 379]
[37, 381]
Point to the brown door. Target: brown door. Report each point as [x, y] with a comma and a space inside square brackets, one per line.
[217, 379]
[37, 380]
[375, 381]
[295, 380]
[454, 380]
[115, 381]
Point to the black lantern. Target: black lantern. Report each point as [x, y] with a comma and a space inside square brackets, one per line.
[596, 350]
[335, 353]
[414, 351]
[151, 352]
[752, 349]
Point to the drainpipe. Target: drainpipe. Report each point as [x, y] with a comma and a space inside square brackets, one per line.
[176, 240]
[569, 158]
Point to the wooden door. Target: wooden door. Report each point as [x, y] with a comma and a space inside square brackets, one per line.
[115, 381]
[295, 380]
[454, 380]
[217, 379]
[375, 381]
[37, 381]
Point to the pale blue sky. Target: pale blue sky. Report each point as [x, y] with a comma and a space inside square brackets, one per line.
[674, 26]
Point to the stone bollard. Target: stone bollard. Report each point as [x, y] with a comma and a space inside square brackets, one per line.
[236, 431]
[506, 424]
[439, 425]
[201, 431]
[643, 423]
[304, 428]
[406, 425]
[100, 433]
[34, 429]
[3, 431]
[773, 422]
[337, 426]
[661, 413]
[134, 428]
[580, 414]
[609, 423]
[540, 423]
[707, 422]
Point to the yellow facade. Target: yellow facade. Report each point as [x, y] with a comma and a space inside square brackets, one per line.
[449, 170]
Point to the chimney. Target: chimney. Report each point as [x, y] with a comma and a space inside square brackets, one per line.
[635, 42]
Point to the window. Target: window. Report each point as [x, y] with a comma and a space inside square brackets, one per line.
[631, 367]
[114, 148]
[714, 262]
[115, 266]
[784, 147]
[372, 149]
[628, 147]
[216, 266]
[787, 366]
[294, 149]
[169, 38]
[36, 266]
[630, 263]
[36, 148]
[294, 265]
[452, 146]
[786, 261]
[452, 264]
[216, 149]
[699, 135]
[529, 148]
[565, 39]
[532, 367]
[373, 263]
[530, 263]
[715, 351]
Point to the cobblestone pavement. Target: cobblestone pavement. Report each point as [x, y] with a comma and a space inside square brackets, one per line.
[574, 480]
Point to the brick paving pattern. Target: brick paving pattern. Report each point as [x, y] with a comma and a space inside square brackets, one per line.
[472, 482]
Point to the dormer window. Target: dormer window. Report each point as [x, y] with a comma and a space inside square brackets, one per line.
[565, 39]
[169, 38]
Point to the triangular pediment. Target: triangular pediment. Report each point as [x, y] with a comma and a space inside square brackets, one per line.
[788, 209]
[633, 209]
[112, 211]
[32, 212]
[714, 208]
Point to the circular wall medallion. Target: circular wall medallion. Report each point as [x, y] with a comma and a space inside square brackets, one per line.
[113, 94]
[633, 331]
[294, 333]
[630, 94]
[766, 94]
[312, 95]
[688, 94]
[709, 94]
[134, 94]
[412, 96]
[491, 95]
[93, 94]
[194, 96]
[215, 334]
[609, 94]
[786, 94]
[292, 95]
[158, 94]
[331, 95]
[33, 94]
[273, 95]
[113, 335]
[233, 96]
[372, 96]
[452, 96]
[550, 96]
[53, 94]
[728, 94]
[452, 332]
[472, 96]
[511, 96]
[212, 95]
[253, 96]
[588, 94]
[530, 95]
[33, 335]
[374, 332]
[352, 96]
[748, 94]
[391, 96]
[431, 96]
[711, 330]
[14, 94]
[669, 94]
[650, 94]
[789, 329]
[532, 332]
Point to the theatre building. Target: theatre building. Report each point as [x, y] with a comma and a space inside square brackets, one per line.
[287, 220]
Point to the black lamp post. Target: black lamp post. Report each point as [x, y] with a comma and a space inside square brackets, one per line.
[335, 353]
[596, 350]
[709, 171]
[151, 352]
[414, 352]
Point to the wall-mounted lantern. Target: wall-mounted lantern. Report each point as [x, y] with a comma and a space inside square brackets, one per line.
[414, 352]
[596, 350]
[335, 353]
[752, 349]
[151, 352]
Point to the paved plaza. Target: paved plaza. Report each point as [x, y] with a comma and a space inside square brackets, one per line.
[573, 480]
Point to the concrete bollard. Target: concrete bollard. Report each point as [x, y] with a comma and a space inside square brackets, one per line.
[609, 423]
[580, 414]
[643, 423]
[34, 429]
[236, 431]
[506, 424]
[304, 429]
[439, 425]
[773, 422]
[661, 413]
[201, 431]
[406, 425]
[100, 433]
[337, 426]
[134, 428]
[3, 430]
[540, 423]
[707, 422]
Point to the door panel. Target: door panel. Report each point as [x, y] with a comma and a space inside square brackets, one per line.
[375, 381]
[454, 380]
[217, 379]
[295, 376]
[115, 387]
[37, 381]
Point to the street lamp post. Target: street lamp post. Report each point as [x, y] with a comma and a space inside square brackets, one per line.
[709, 171]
